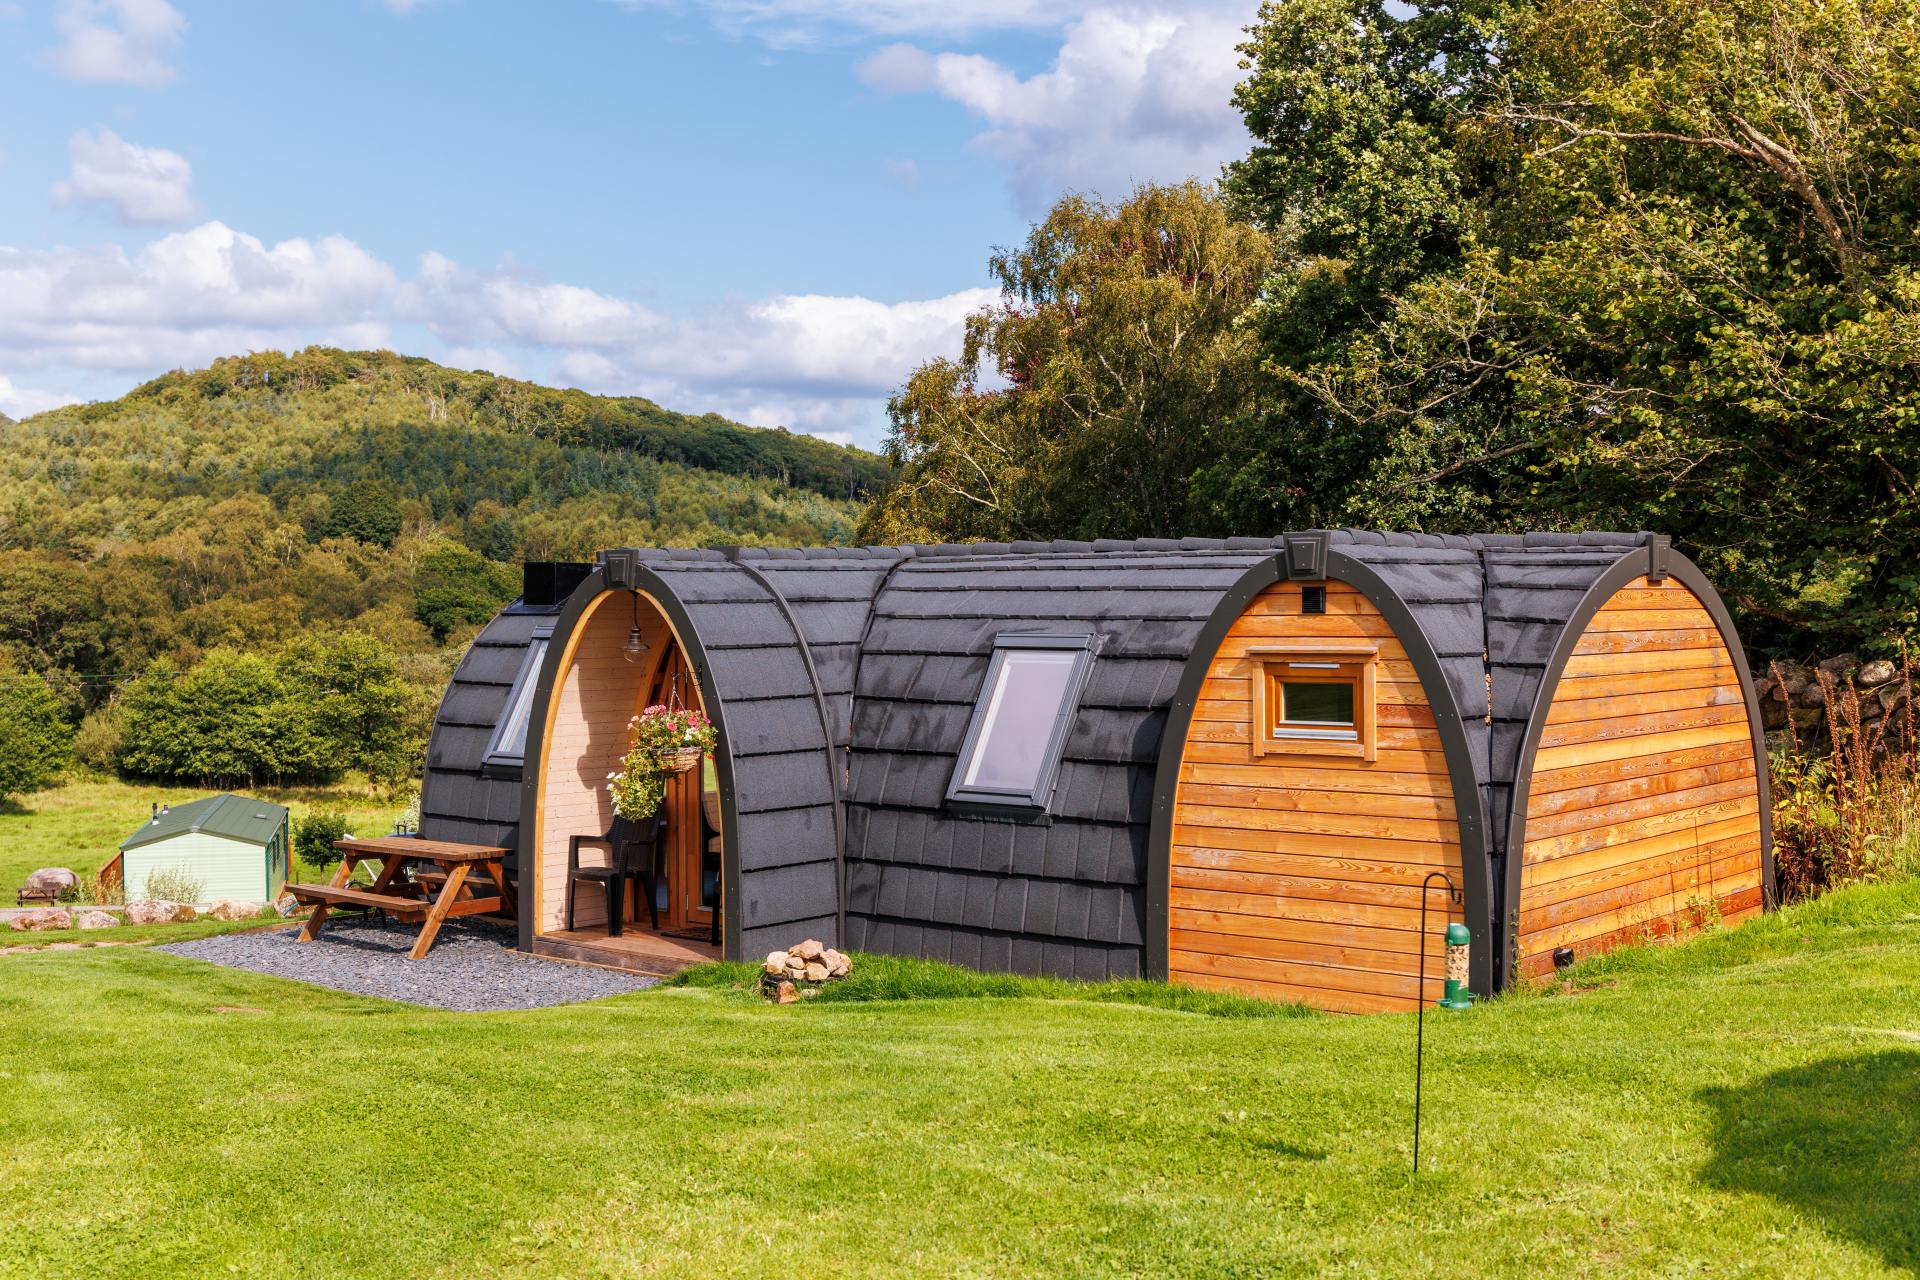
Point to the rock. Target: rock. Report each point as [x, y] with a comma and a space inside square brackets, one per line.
[810, 949]
[1793, 678]
[837, 962]
[1838, 665]
[98, 920]
[785, 993]
[1875, 673]
[49, 882]
[815, 972]
[158, 911]
[795, 968]
[1773, 714]
[232, 909]
[1807, 717]
[44, 919]
[776, 963]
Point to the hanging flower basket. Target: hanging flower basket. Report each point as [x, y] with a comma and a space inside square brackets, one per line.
[661, 741]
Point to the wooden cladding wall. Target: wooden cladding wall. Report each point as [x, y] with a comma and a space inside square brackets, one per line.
[1297, 877]
[1643, 812]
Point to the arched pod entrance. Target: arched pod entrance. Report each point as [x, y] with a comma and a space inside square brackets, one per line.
[1641, 799]
[1296, 873]
[586, 693]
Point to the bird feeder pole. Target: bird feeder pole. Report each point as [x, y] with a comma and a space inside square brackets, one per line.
[1459, 943]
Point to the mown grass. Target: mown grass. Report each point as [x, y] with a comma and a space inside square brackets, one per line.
[1745, 1104]
[133, 934]
[80, 824]
[907, 978]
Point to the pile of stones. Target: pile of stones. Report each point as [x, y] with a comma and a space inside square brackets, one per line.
[1791, 692]
[801, 969]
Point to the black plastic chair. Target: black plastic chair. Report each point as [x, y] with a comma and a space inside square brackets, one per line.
[624, 839]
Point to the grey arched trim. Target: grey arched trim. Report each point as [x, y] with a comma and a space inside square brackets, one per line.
[1476, 872]
[835, 774]
[1635, 564]
[592, 588]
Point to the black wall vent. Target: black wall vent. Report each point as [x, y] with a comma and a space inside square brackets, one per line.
[546, 583]
[1313, 599]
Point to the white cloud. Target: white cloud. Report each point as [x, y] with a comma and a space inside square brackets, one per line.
[24, 402]
[183, 298]
[802, 22]
[129, 41]
[1133, 96]
[145, 186]
[810, 362]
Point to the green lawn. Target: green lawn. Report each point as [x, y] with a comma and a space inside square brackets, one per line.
[1748, 1104]
[79, 825]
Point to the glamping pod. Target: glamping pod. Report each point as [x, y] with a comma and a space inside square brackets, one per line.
[1232, 763]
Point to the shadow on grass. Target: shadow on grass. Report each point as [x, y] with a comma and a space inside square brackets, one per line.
[1838, 1141]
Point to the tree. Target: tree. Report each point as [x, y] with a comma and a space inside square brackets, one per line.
[1641, 264]
[361, 712]
[232, 718]
[457, 586]
[365, 511]
[1111, 373]
[35, 739]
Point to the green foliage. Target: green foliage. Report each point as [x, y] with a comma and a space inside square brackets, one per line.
[276, 497]
[365, 511]
[35, 738]
[313, 836]
[456, 586]
[173, 884]
[361, 712]
[1117, 372]
[1640, 264]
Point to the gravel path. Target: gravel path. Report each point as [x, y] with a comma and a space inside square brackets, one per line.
[472, 967]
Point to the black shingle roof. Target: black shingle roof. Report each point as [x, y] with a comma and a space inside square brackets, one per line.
[899, 640]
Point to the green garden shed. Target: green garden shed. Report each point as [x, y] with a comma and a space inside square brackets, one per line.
[233, 846]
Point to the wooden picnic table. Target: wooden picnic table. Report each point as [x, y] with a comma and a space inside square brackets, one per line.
[403, 899]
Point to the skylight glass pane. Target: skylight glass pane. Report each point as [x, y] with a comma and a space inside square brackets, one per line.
[1011, 750]
[510, 741]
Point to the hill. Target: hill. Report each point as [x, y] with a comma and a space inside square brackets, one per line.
[270, 496]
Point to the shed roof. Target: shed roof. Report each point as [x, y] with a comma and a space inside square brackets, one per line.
[229, 815]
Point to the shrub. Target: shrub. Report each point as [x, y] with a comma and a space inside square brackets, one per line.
[35, 742]
[314, 835]
[174, 884]
[101, 736]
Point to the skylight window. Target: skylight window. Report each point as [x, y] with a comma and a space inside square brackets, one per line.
[507, 750]
[1019, 726]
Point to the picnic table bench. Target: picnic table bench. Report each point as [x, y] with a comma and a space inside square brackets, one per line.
[461, 894]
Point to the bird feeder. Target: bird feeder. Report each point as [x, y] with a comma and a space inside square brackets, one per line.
[1459, 951]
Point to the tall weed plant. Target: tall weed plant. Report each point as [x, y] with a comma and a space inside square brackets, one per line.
[1848, 814]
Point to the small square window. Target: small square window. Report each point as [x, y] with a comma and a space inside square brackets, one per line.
[1314, 701]
[1019, 726]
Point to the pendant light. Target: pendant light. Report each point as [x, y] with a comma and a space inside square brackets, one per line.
[636, 645]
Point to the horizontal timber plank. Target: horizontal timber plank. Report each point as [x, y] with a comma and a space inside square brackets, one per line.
[1233, 929]
[1330, 1001]
[1358, 778]
[1619, 811]
[1655, 763]
[1731, 763]
[1276, 907]
[1544, 850]
[1330, 868]
[1543, 870]
[1648, 921]
[1691, 618]
[1582, 665]
[1584, 688]
[1635, 726]
[1598, 642]
[1322, 977]
[1573, 711]
[1318, 824]
[1185, 831]
[1715, 875]
[1418, 759]
[1651, 744]
[1404, 893]
[1306, 799]
[1402, 963]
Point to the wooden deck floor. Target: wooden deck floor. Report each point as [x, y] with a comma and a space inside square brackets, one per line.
[635, 950]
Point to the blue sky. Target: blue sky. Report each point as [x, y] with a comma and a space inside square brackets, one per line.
[768, 208]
